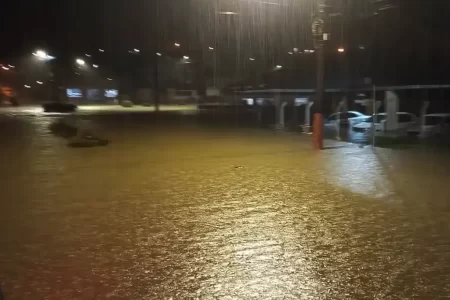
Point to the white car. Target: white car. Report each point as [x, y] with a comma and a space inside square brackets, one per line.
[434, 125]
[345, 119]
[405, 121]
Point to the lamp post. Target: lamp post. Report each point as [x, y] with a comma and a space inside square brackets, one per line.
[318, 30]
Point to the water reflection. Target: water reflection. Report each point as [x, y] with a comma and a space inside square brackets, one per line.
[359, 170]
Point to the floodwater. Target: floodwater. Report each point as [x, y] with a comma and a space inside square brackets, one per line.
[179, 209]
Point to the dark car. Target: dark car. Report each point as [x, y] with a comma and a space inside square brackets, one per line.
[59, 107]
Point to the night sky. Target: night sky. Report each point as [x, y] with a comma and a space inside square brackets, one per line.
[416, 30]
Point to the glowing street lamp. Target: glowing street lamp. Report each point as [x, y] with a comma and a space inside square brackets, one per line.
[42, 55]
[341, 50]
[39, 82]
[229, 13]
[80, 62]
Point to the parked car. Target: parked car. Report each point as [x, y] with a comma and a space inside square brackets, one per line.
[434, 125]
[345, 119]
[56, 107]
[405, 121]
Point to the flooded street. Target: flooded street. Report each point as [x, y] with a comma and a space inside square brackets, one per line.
[178, 209]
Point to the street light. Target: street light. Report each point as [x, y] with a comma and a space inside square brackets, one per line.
[186, 57]
[42, 55]
[279, 66]
[39, 82]
[88, 55]
[177, 45]
[229, 13]
[80, 61]
[159, 54]
[341, 50]
[136, 50]
[251, 58]
[27, 86]
[101, 50]
[210, 48]
[95, 66]
[5, 68]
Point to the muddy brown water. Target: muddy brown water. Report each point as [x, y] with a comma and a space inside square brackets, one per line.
[184, 210]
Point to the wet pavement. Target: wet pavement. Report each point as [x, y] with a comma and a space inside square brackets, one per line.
[179, 209]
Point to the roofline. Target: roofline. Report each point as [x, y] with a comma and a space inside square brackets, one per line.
[377, 88]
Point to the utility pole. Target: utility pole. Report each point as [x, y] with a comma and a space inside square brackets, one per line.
[318, 30]
[156, 68]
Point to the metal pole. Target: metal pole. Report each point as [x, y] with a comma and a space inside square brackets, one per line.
[318, 27]
[374, 116]
[156, 70]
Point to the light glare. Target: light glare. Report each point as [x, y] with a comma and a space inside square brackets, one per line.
[80, 61]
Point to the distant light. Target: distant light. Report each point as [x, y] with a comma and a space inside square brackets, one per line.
[279, 66]
[88, 55]
[311, 51]
[39, 82]
[210, 48]
[251, 58]
[101, 50]
[295, 50]
[186, 57]
[290, 53]
[40, 54]
[5, 68]
[27, 86]
[228, 13]
[341, 50]
[11, 66]
[136, 50]
[80, 61]
[361, 47]
[159, 54]
[177, 45]
[109, 79]
[76, 73]
[95, 66]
